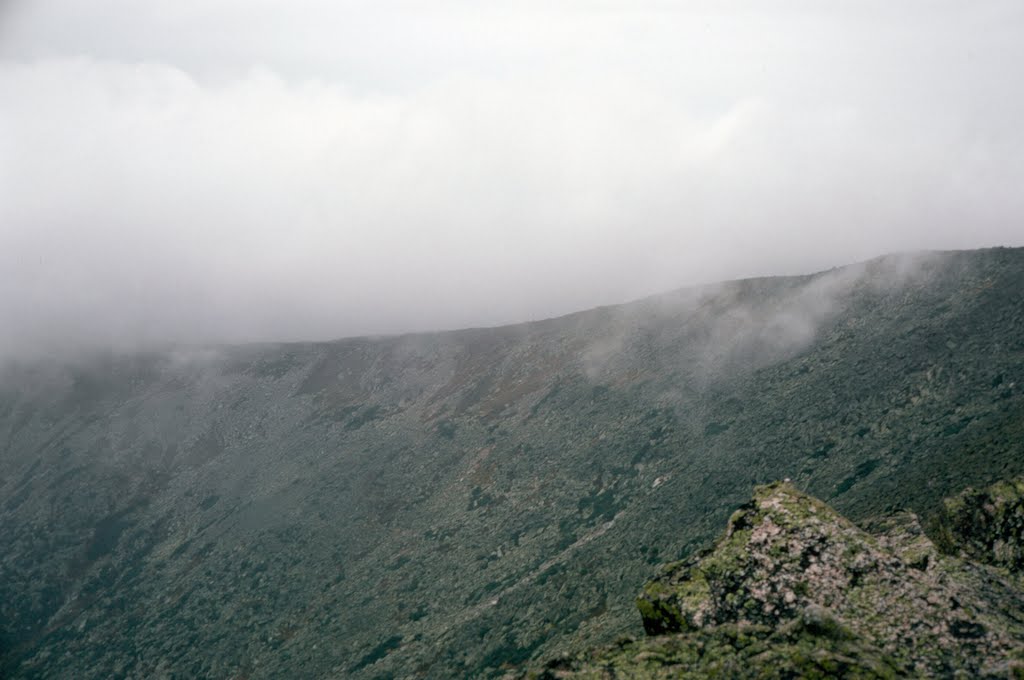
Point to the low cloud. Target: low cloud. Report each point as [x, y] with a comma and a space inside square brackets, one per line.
[150, 194]
[750, 323]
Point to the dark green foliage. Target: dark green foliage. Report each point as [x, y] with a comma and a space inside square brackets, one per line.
[378, 652]
[446, 429]
[863, 470]
[988, 525]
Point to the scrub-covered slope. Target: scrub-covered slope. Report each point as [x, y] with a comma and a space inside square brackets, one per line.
[457, 503]
[795, 590]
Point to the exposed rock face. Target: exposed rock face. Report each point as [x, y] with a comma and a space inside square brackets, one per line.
[794, 589]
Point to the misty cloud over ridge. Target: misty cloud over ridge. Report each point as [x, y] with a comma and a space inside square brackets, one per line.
[226, 172]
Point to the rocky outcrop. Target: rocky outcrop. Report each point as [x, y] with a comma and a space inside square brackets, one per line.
[793, 589]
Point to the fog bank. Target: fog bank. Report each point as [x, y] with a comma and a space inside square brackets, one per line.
[232, 172]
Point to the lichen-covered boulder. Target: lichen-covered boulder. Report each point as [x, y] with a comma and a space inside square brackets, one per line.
[776, 550]
[785, 554]
[793, 589]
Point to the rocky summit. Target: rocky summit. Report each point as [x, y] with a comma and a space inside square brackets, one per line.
[460, 504]
[793, 589]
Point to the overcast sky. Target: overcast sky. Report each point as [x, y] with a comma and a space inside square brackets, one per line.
[229, 170]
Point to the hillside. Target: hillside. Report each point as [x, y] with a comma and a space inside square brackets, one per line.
[458, 503]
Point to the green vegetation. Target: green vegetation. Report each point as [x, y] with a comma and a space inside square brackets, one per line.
[455, 504]
[986, 525]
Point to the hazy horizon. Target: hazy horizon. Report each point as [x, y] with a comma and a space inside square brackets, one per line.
[226, 172]
[796, 315]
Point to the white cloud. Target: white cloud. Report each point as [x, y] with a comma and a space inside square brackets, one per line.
[194, 172]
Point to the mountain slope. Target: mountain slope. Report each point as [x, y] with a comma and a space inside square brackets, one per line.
[454, 503]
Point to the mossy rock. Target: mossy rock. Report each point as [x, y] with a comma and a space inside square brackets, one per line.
[793, 589]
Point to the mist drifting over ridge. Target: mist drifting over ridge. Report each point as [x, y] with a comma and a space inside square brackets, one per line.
[453, 504]
[208, 173]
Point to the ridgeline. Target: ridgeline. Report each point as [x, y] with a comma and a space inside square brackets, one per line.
[466, 503]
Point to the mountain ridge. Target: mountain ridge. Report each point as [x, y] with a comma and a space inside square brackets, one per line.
[367, 507]
[689, 289]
